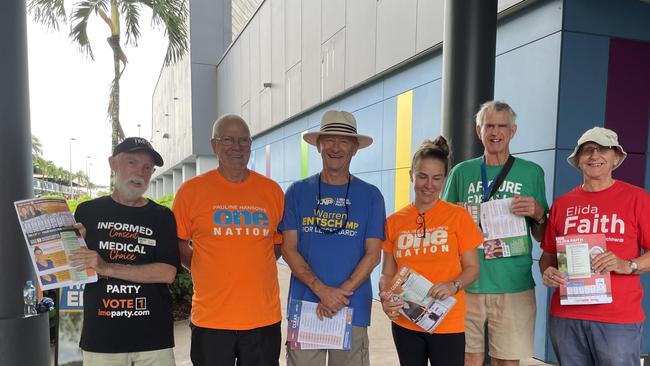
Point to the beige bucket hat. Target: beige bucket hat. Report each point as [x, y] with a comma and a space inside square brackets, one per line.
[601, 136]
[338, 123]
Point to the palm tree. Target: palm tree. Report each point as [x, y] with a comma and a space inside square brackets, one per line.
[172, 14]
[81, 178]
[48, 169]
[37, 147]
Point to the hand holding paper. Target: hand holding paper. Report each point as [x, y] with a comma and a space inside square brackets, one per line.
[527, 206]
[609, 262]
[84, 258]
[442, 290]
[333, 298]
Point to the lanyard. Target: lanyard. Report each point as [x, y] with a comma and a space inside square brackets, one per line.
[489, 190]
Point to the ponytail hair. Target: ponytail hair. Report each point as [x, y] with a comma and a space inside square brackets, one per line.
[437, 149]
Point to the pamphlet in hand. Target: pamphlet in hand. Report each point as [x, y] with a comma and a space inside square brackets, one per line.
[506, 234]
[574, 255]
[51, 239]
[306, 331]
[410, 288]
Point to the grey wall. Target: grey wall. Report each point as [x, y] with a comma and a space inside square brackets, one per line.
[311, 51]
[184, 101]
[172, 113]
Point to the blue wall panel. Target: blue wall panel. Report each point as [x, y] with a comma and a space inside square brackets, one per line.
[568, 176]
[535, 22]
[369, 95]
[297, 126]
[541, 318]
[258, 161]
[275, 135]
[277, 161]
[293, 157]
[426, 112]
[413, 76]
[388, 189]
[527, 78]
[259, 141]
[583, 87]
[315, 161]
[375, 179]
[389, 107]
[619, 18]
[369, 122]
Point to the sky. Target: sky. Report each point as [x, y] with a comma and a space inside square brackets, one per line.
[69, 92]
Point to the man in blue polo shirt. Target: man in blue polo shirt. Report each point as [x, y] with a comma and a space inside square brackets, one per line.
[333, 227]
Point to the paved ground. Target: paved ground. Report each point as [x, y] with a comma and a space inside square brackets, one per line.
[382, 350]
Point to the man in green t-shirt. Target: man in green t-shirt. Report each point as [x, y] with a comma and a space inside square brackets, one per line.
[503, 297]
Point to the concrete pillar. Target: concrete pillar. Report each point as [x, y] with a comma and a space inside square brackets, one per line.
[177, 179]
[188, 171]
[151, 191]
[468, 53]
[159, 187]
[168, 185]
[205, 163]
[23, 341]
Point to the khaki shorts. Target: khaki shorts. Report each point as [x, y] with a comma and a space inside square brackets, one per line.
[510, 322]
[357, 356]
[161, 357]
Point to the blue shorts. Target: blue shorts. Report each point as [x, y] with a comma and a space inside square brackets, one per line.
[586, 342]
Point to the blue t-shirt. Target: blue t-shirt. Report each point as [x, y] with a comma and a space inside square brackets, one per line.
[334, 256]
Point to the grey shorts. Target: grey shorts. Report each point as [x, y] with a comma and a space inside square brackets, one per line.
[161, 357]
[585, 342]
[357, 356]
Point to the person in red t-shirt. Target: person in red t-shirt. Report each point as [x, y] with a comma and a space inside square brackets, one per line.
[600, 334]
[438, 240]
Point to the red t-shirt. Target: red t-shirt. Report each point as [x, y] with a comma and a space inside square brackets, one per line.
[621, 213]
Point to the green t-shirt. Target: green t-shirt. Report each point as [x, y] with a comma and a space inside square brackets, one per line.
[502, 275]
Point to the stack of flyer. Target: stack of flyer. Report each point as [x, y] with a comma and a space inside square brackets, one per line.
[410, 288]
[306, 331]
[506, 234]
[47, 226]
[574, 256]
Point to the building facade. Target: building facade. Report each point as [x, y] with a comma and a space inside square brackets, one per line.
[563, 65]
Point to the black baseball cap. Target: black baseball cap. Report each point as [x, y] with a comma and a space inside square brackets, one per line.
[131, 144]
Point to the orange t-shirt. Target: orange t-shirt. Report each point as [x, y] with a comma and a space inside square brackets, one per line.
[450, 232]
[233, 228]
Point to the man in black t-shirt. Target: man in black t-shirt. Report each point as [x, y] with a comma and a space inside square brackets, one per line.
[132, 246]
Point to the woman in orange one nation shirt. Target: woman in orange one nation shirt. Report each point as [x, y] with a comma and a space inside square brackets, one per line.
[437, 240]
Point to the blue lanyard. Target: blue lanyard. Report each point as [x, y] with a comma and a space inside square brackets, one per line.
[487, 189]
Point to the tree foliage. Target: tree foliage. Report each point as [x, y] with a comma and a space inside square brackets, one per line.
[171, 15]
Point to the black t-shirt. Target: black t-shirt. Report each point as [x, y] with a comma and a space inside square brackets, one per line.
[122, 316]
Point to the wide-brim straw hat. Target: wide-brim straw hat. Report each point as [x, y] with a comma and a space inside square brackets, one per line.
[338, 123]
[601, 136]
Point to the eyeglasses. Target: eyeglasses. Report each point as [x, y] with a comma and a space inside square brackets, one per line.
[229, 140]
[588, 150]
[421, 230]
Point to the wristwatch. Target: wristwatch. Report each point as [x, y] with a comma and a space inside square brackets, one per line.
[542, 220]
[633, 266]
[457, 286]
